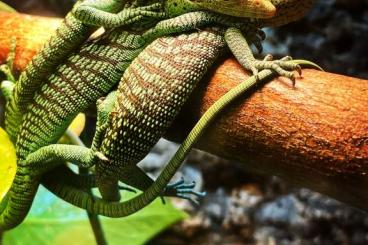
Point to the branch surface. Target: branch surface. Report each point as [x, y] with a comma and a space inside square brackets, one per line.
[313, 135]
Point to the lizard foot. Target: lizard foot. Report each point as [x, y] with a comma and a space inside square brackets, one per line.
[183, 190]
[282, 67]
[257, 38]
[239, 46]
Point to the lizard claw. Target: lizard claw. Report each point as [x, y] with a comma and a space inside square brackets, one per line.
[101, 156]
[299, 70]
[282, 67]
[257, 40]
[261, 34]
[182, 190]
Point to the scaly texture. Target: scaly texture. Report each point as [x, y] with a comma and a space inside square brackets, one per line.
[128, 140]
[80, 81]
[239, 8]
[152, 91]
[77, 26]
[150, 95]
[76, 84]
[113, 209]
[27, 180]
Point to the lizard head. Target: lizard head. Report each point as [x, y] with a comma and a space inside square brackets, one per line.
[288, 11]
[238, 8]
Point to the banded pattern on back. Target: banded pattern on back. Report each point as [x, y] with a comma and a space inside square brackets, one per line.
[76, 84]
[152, 92]
[71, 34]
[81, 80]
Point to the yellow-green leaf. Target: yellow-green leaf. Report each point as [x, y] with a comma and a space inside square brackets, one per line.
[76, 127]
[8, 163]
[78, 123]
[6, 8]
[53, 221]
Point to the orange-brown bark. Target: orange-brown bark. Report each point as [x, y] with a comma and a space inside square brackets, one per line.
[313, 135]
[30, 33]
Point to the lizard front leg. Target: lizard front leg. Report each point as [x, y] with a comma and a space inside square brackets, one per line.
[58, 153]
[94, 13]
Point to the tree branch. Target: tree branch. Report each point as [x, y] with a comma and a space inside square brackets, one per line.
[313, 135]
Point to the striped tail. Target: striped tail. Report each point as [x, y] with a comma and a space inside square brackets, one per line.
[112, 209]
[17, 203]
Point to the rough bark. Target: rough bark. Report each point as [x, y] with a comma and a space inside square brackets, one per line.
[313, 135]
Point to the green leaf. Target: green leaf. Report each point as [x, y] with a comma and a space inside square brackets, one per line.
[76, 127]
[53, 221]
[8, 164]
[6, 8]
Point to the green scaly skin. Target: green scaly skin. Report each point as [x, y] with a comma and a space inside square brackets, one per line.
[21, 188]
[112, 53]
[146, 105]
[240, 8]
[75, 85]
[77, 26]
[115, 209]
[61, 98]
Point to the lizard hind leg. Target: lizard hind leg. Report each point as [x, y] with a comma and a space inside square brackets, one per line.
[137, 178]
[241, 50]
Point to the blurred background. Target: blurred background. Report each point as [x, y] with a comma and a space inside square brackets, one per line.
[242, 208]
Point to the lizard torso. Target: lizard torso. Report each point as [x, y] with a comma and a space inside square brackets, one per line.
[152, 92]
[76, 84]
[79, 82]
[46, 130]
[150, 95]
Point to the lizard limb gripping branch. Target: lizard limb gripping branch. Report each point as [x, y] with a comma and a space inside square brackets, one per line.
[9, 218]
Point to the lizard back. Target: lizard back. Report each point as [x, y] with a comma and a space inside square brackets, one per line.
[152, 92]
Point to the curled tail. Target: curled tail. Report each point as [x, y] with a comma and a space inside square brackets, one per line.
[120, 209]
[117, 209]
[18, 201]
